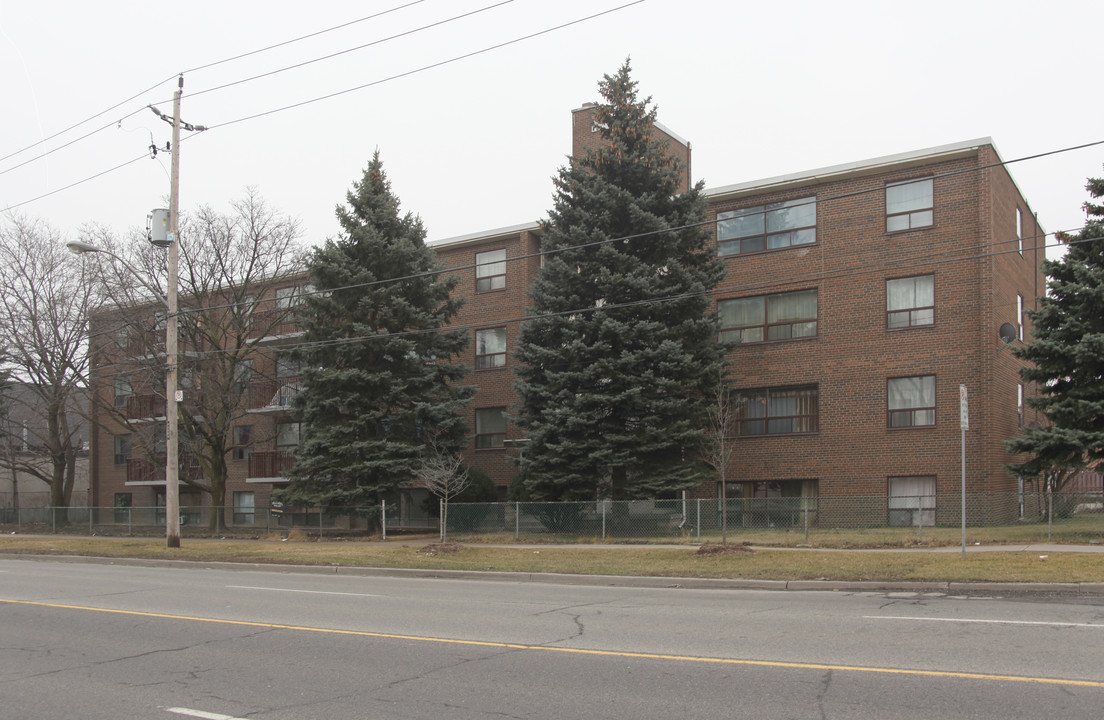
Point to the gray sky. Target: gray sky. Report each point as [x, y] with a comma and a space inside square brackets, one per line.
[759, 89]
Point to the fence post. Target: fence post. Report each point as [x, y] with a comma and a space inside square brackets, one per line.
[699, 521]
[603, 519]
[53, 520]
[517, 520]
[90, 521]
[130, 522]
[383, 518]
[444, 519]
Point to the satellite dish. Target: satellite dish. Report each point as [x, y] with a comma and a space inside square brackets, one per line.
[1007, 332]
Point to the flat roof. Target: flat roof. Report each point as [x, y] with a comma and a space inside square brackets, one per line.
[804, 177]
[871, 165]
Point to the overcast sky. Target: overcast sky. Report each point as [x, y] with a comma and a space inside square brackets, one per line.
[759, 89]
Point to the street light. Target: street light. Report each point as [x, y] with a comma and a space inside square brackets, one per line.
[172, 414]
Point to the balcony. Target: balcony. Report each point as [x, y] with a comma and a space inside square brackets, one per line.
[274, 323]
[271, 395]
[139, 407]
[269, 465]
[140, 471]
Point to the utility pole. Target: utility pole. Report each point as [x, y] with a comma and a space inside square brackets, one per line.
[172, 411]
[172, 394]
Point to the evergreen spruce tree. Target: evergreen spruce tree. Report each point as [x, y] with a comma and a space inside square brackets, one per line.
[378, 372]
[621, 356]
[1067, 356]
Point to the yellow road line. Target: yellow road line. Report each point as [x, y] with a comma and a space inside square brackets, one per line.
[579, 651]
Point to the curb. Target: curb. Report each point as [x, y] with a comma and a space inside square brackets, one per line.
[646, 581]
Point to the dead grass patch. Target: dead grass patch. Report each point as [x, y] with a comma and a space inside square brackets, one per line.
[297, 534]
[447, 548]
[714, 550]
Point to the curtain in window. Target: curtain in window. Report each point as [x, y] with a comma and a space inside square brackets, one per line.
[908, 293]
[789, 307]
[741, 312]
[912, 392]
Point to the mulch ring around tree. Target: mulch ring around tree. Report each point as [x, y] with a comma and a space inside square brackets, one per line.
[441, 548]
[724, 550]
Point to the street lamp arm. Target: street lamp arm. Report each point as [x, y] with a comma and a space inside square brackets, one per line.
[80, 248]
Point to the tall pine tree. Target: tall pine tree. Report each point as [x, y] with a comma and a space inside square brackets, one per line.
[621, 356]
[378, 372]
[1067, 356]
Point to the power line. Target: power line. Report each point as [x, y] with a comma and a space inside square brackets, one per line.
[344, 92]
[424, 68]
[352, 49]
[172, 77]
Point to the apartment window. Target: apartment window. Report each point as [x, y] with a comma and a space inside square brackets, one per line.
[1020, 404]
[122, 449]
[123, 503]
[244, 309]
[912, 501]
[244, 505]
[490, 427]
[123, 390]
[288, 436]
[911, 401]
[785, 316]
[1019, 317]
[767, 227]
[490, 270]
[1019, 230]
[909, 204]
[243, 375]
[490, 348]
[289, 297]
[243, 441]
[910, 302]
[777, 411]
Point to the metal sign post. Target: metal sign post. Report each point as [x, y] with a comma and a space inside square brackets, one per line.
[964, 425]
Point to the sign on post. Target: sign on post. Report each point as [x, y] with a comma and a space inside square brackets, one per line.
[963, 408]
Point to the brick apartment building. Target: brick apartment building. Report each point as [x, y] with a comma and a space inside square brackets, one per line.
[860, 298]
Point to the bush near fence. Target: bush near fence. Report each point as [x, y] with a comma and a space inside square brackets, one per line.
[1078, 517]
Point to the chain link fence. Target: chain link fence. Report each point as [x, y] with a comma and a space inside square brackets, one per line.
[839, 522]
[1011, 517]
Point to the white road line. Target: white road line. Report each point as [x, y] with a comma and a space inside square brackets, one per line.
[201, 714]
[987, 622]
[312, 592]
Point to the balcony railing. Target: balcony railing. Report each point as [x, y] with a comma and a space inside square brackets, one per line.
[270, 463]
[142, 470]
[274, 323]
[145, 406]
[272, 394]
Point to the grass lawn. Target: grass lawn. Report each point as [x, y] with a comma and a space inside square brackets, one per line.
[766, 564]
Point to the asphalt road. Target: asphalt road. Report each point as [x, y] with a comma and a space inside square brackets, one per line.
[97, 641]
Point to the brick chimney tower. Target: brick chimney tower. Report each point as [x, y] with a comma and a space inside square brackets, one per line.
[584, 136]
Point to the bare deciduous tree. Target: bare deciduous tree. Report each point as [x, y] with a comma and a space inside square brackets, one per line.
[228, 264]
[44, 300]
[441, 472]
[721, 445]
